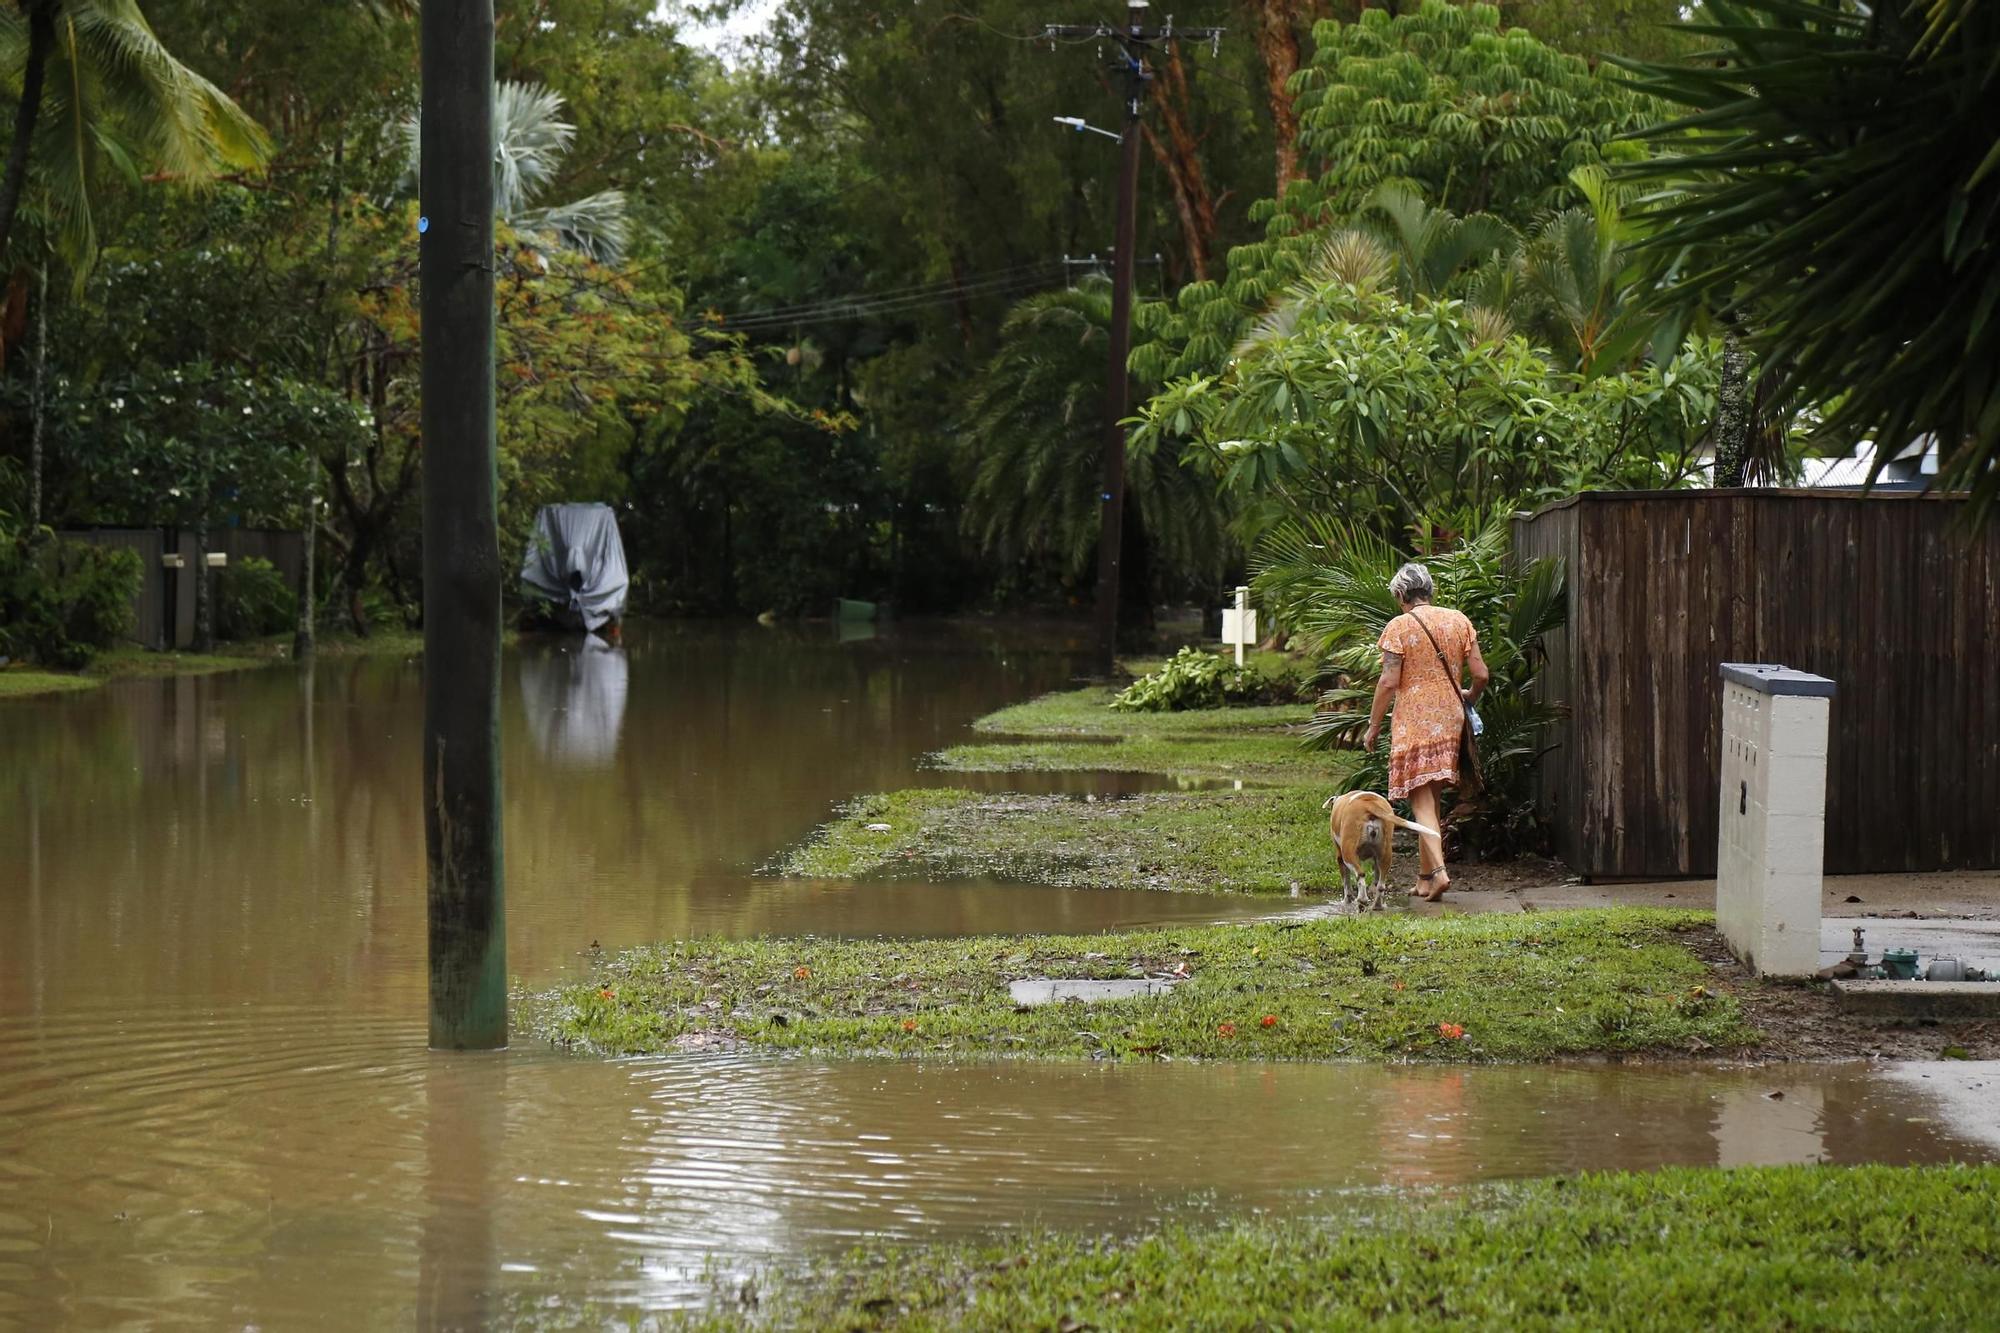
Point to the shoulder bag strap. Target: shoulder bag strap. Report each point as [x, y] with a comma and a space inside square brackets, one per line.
[1442, 660]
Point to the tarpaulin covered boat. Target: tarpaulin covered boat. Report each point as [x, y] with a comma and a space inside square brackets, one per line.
[574, 573]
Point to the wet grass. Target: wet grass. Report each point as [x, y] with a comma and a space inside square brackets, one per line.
[1265, 838]
[142, 663]
[21, 683]
[1270, 756]
[1796, 1247]
[1450, 989]
[1259, 840]
[125, 664]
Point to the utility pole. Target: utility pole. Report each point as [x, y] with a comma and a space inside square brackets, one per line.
[461, 756]
[1134, 41]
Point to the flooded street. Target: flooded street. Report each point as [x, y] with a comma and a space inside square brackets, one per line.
[216, 1108]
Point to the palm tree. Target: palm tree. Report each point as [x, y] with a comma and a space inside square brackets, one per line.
[1835, 177]
[1433, 246]
[530, 139]
[1032, 437]
[1328, 583]
[98, 88]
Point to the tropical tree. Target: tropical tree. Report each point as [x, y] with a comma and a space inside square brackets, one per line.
[97, 89]
[1363, 407]
[530, 140]
[1328, 583]
[1476, 118]
[1031, 439]
[1834, 182]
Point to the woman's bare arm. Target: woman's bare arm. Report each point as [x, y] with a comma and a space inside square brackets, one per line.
[1385, 690]
[1480, 675]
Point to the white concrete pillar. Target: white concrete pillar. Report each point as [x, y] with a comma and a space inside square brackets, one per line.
[1770, 854]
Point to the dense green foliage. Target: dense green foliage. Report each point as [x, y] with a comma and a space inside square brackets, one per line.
[804, 316]
[1479, 119]
[1331, 584]
[62, 602]
[1490, 987]
[253, 600]
[1835, 175]
[1796, 1247]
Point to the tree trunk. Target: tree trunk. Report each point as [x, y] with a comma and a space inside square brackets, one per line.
[303, 640]
[1135, 587]
[37, 401]
[1178, 152]
[1274, 25]
[41, 41]
[204, 601]
[1732, 415]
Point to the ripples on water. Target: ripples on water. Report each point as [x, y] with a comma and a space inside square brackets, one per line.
[216, 1108]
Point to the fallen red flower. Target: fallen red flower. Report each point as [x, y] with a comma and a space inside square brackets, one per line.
[909, 1025]
[802, 972]
[1452, 1030]
[1270, 1020]
[1226, 1029]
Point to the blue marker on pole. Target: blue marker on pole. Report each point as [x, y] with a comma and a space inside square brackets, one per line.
[423, 225]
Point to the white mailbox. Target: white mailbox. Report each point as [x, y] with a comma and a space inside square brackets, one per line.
[1770, 856]
[1239, 624]
[218, 559]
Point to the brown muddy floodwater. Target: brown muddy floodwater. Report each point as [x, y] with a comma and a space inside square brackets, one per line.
[216, 1109]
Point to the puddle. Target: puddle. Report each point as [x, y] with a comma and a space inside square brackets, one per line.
[1039, 992]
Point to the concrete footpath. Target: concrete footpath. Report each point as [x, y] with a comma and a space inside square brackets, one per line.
[1955, 914]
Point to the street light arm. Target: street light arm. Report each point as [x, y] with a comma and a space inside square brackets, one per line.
[1079, 124]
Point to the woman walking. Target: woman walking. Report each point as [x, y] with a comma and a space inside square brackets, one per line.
[1426, 652]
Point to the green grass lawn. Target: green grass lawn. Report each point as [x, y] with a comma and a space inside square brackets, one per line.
[1258, 840]
[1795, 1248]
[1264, 838]
[130, 663]
[20, 683]
[1398, 987]
[125, 664]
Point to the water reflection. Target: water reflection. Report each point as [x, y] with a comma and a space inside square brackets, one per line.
[573, 693]
[465, 1097]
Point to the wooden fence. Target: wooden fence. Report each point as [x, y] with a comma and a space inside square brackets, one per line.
[166, 596]
[1882, 593]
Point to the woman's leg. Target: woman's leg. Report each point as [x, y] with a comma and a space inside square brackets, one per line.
[1424, 809]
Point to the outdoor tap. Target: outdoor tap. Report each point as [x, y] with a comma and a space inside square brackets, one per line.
[1859, 955]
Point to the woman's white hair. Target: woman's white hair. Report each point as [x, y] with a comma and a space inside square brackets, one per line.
[1412, 583]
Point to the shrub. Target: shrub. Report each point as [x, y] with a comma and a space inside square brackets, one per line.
[1196, 678]
[62, 602]
[1329, 584]
[252, 600]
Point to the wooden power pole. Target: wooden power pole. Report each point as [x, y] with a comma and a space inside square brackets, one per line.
[1133, 41]
[462, 569]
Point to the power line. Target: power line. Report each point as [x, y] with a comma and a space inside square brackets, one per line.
[911, 289]
[870, 306]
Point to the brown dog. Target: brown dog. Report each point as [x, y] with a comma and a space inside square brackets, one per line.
[1360, 825]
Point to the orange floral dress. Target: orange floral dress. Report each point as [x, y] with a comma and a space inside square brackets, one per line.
[1428, 711]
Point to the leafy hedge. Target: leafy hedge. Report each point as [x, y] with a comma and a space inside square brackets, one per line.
[62, 602]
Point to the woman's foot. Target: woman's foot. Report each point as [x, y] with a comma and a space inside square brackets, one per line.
[1431, 885]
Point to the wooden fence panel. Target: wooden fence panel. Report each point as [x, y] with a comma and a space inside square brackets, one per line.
[1881, 593]
[165, 593]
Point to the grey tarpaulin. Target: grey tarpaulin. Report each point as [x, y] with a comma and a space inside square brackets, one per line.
[576, 564]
